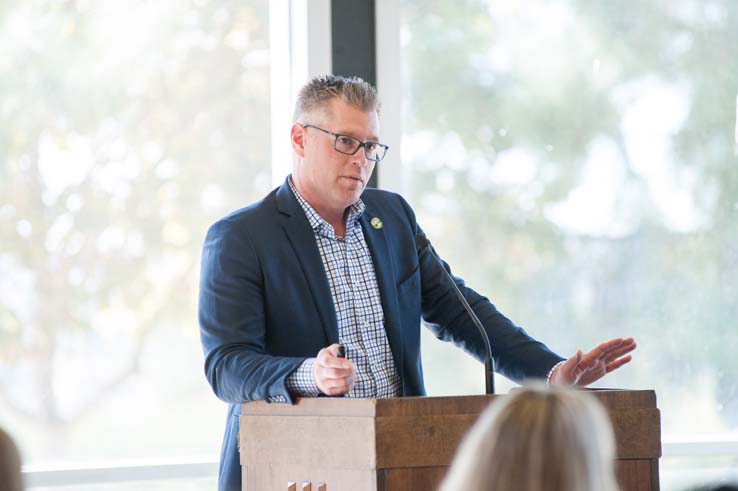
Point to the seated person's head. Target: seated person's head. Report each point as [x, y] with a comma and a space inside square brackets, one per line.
[537, 438]
[10, 472]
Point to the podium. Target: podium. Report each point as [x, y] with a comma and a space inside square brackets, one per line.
[407, 444]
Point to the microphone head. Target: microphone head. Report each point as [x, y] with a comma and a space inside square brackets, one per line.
[421, 242]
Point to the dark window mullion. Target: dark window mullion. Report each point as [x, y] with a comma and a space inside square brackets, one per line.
[354, 45]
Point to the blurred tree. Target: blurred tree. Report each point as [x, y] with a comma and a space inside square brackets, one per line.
[517, 111]
[125, 130]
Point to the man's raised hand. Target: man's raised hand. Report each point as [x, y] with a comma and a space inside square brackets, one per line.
[584, 369]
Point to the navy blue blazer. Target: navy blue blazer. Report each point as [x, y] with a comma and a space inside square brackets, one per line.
[265, 306]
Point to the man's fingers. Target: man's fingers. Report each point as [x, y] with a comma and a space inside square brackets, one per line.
[577, 358]
[335, 391]
[603, 348]
[334, 386]
[334, 373]
[336, 363]
[619, 351]
[607, 347]
[327, 358]
[337, 386]
[610, 357]
[333, 349]
[609, 350]
[618, 363]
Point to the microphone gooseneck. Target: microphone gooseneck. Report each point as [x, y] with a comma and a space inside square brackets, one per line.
[423, 244]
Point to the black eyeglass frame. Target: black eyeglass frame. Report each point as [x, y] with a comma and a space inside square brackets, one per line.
[360, 145]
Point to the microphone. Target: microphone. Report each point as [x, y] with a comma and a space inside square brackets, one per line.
[422, 244]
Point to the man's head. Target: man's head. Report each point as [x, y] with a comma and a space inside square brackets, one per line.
[333, 116]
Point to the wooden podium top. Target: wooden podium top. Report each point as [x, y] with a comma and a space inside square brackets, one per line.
[415, 431]
[612, 399]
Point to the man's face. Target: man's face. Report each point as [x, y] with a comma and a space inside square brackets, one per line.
[329, 180]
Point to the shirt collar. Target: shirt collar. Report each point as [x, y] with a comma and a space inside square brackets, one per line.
[318, 223]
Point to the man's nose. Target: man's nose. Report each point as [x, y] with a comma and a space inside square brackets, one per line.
[359, 158]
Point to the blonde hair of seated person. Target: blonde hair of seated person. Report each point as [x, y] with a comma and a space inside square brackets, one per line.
[537, 438]
[10, 465]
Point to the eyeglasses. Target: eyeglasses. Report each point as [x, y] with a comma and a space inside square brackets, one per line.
[349, 145]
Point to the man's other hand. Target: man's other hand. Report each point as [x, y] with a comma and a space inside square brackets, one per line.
[333, 375]
[584, 369]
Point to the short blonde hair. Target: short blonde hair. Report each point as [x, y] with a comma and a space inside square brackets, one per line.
[318, 92]
[538, 438]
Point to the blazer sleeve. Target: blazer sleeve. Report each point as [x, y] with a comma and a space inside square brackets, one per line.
[517, 355]
[232, 320]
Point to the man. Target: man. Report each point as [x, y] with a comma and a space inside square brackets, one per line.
[322, 260]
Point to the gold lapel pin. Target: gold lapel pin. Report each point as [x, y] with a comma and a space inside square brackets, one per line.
[376, 223]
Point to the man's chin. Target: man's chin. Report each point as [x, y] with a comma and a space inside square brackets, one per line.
[354, 186]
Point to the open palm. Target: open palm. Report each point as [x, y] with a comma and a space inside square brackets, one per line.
[584, 369]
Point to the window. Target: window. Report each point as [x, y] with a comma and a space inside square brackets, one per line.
[126, 128]
[575, 161]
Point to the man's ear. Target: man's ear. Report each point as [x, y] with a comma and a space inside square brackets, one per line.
[297, 136]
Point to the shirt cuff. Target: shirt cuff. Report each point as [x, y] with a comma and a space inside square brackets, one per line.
[300, 383]
[551, 372]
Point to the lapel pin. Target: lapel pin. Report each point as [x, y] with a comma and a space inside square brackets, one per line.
[376, 223]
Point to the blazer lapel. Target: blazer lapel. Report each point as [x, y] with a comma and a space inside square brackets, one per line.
[384, 260]
[302, 238]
